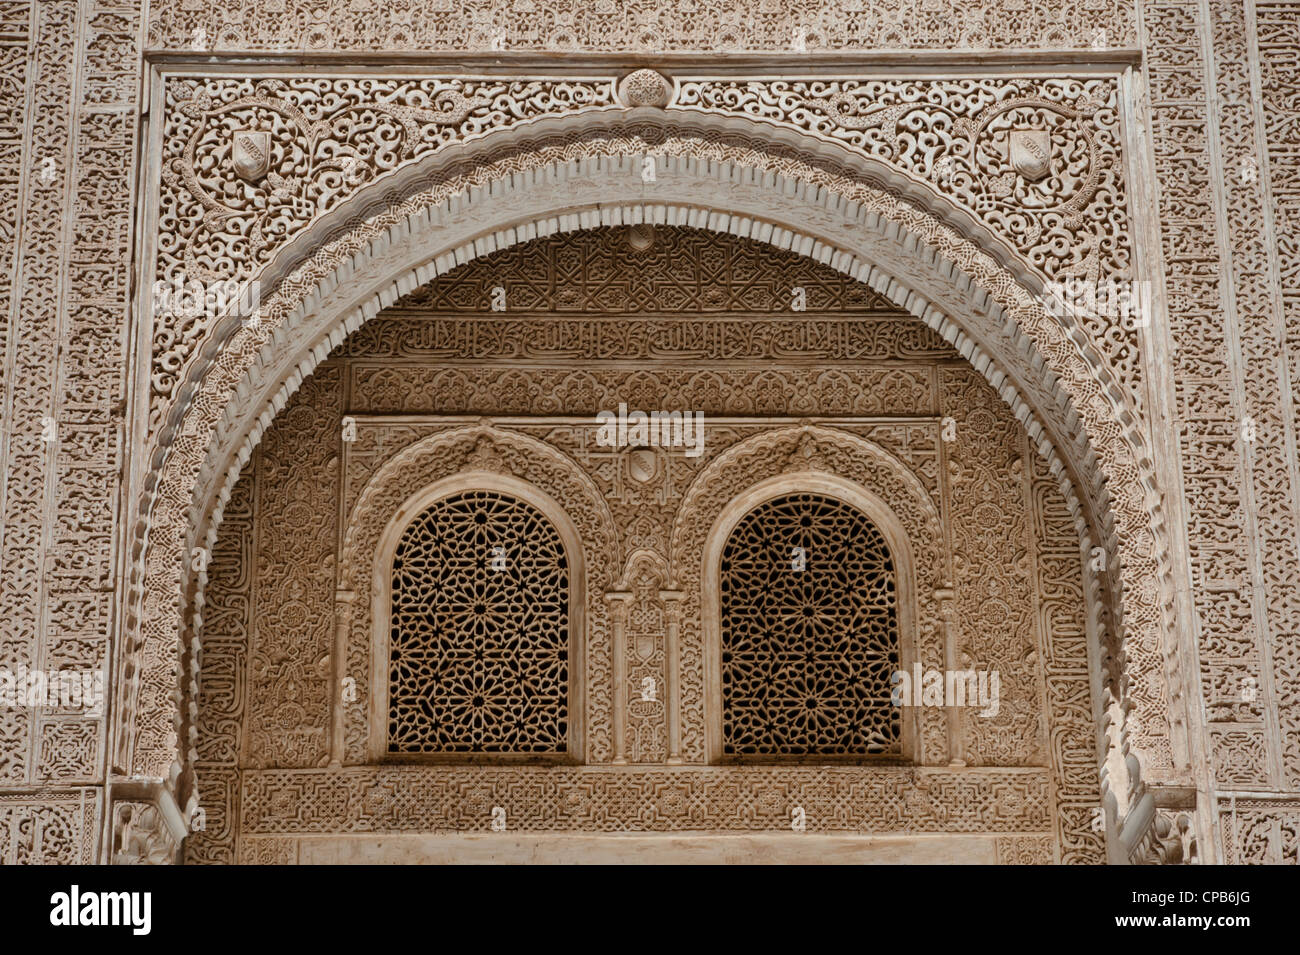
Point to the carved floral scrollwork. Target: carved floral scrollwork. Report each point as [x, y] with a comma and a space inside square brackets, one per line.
[326, 140]
[956, 135]
[329, 137]
[1171, 840]
[1067, 218]
[982, 263]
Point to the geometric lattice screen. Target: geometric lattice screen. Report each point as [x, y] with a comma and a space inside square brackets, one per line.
[479, 639]
[809, 634]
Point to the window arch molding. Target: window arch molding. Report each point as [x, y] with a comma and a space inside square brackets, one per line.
[381, 485]
[805, 450]
[381, 593]
[841, 490]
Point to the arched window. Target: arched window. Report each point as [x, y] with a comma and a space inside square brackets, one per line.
[809, 633]
[479, 631]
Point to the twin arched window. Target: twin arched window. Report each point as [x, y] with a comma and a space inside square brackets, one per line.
[479, 632]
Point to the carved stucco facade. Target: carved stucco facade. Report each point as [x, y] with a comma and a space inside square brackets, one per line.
[406, 142]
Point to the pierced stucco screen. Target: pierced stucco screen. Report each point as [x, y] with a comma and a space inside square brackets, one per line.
[479, 631]
[809, 633]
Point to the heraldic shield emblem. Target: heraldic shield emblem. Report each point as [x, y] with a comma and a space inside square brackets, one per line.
[1031, 152]
[250, 153]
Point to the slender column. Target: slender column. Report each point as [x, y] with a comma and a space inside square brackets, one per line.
[672, 601]
[947, 601]
[344, 600]
[619, 603]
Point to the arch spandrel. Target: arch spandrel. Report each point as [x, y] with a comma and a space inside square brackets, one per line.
[346, 267]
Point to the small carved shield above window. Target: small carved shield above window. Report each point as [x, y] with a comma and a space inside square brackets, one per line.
[250, 153]
[1031, 152]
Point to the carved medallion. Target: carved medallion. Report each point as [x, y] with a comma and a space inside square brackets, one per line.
[250, 153]
[641, 237]
[485, 456]
[1031, 152]
[642, 465]
[645, 88]
[807, 456]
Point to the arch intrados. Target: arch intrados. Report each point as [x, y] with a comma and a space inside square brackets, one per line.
[1078, 473]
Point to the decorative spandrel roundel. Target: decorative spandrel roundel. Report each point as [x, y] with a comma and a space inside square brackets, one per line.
[479, 631]
[809, 633]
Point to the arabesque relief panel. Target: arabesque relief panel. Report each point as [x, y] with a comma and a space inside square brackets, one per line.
[1223, 93]
[327, 139]
[639, 26]
[1195, 97]
[69, 123]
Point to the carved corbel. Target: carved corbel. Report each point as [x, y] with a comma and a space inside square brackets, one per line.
[148, 827]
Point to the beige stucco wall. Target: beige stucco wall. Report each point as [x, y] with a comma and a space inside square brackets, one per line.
[1203, 566]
